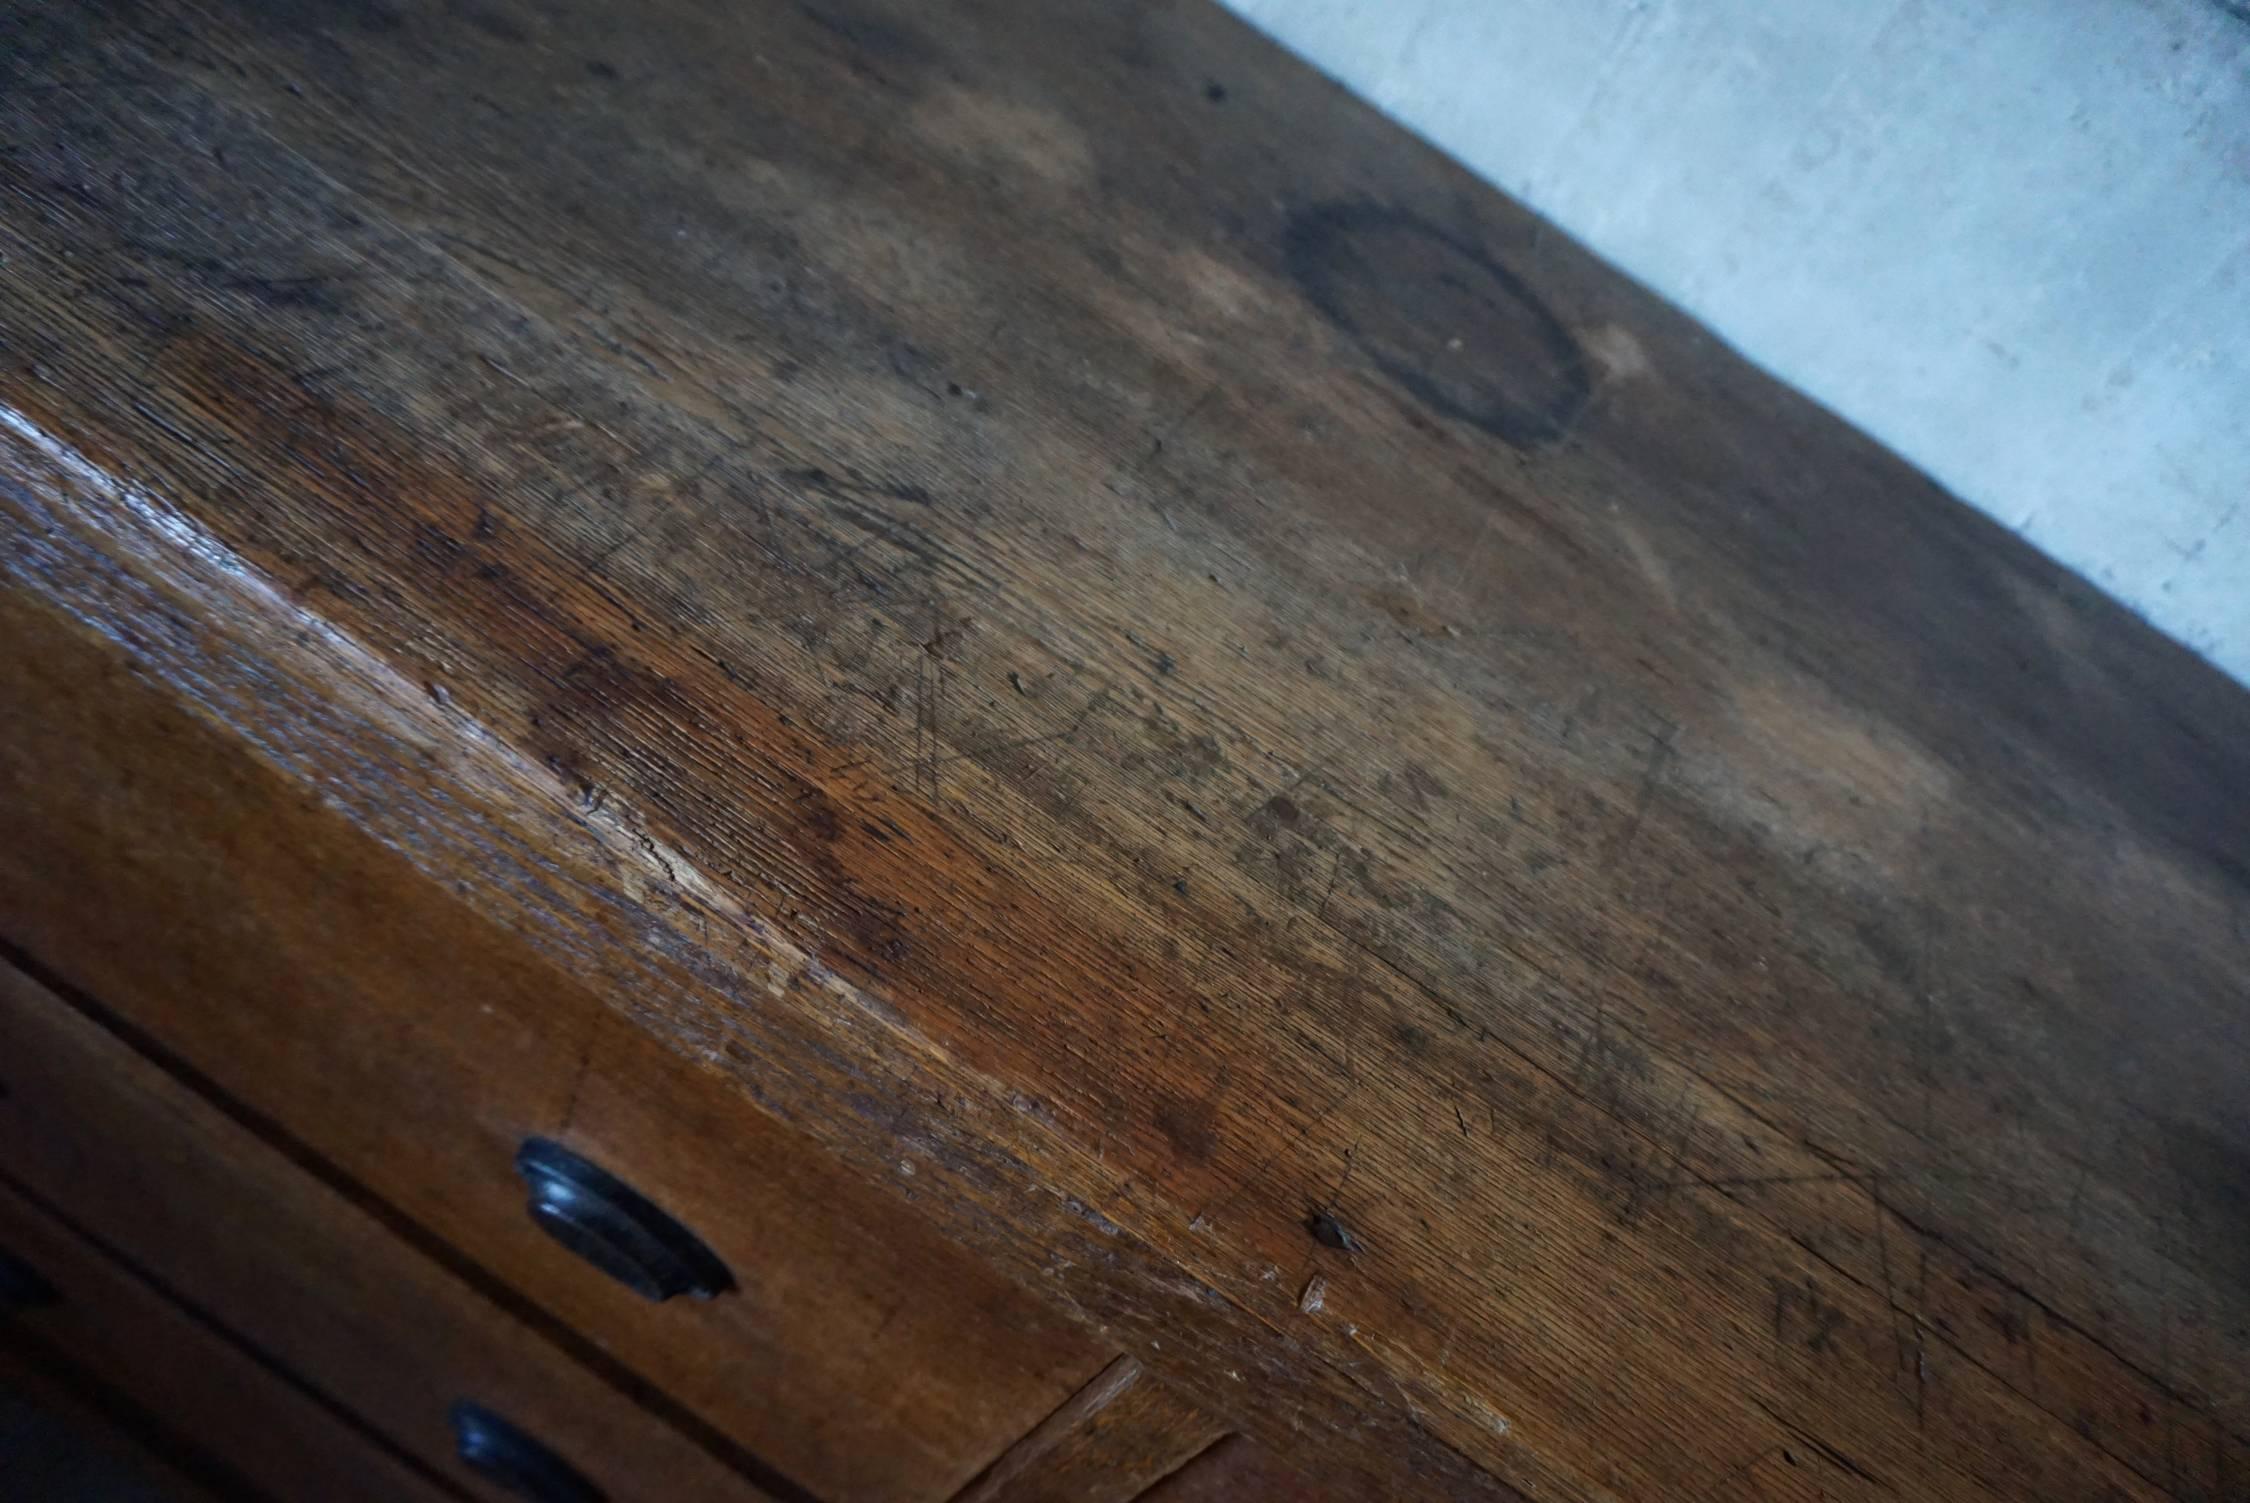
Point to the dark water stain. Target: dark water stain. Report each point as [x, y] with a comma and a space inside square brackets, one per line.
[1891, 952]
[820, 819]
[1414, 1040]
[878, 39]
[287, 16]
[1190, 1126]
[312, 293]
[498, 26]
[2213, 1171]
[1439, 315]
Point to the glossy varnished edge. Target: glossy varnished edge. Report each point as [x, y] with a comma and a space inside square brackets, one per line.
[593, 888]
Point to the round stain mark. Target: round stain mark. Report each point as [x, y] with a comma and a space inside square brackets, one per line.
[1443, 319]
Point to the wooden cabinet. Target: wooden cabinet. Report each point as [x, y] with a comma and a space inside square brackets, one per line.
[329, 997]
[1224, 823]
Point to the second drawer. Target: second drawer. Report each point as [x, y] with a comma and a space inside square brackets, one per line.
[173, 1381]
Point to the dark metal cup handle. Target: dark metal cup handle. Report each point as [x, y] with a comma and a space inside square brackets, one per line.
[614, 1227]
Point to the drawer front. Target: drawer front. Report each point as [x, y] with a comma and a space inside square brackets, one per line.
[1237, 1471]
[297, 1271]
[315, 979]
[50, 1421]
[102, 1319]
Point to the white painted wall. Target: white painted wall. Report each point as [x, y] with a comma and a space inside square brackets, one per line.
[2009, 238]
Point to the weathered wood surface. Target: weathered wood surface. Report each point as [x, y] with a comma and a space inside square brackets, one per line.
[1092, 620]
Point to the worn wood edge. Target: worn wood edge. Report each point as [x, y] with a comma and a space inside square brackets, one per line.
[664, 945]
[1121, 1436]
[1102, 1390]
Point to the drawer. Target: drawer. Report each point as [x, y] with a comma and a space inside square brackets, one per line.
[49, 1423]
[318, 1286]
[1236, 1471]
[1127, 1438]
[190, 1387]
[315, 981]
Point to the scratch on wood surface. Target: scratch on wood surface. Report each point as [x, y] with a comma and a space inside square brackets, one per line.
[569, 1113]
[918, 763]
[1842, 1461]
[1652, 772]
[1334, 871]
[1891, 1313]
[1740, 1469]
[1208, 1216]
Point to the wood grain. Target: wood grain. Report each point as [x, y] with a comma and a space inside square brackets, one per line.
[142, 1343]
[1118, 1436]
[364, 1326]
[1212, 674]
[1236, 1471]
